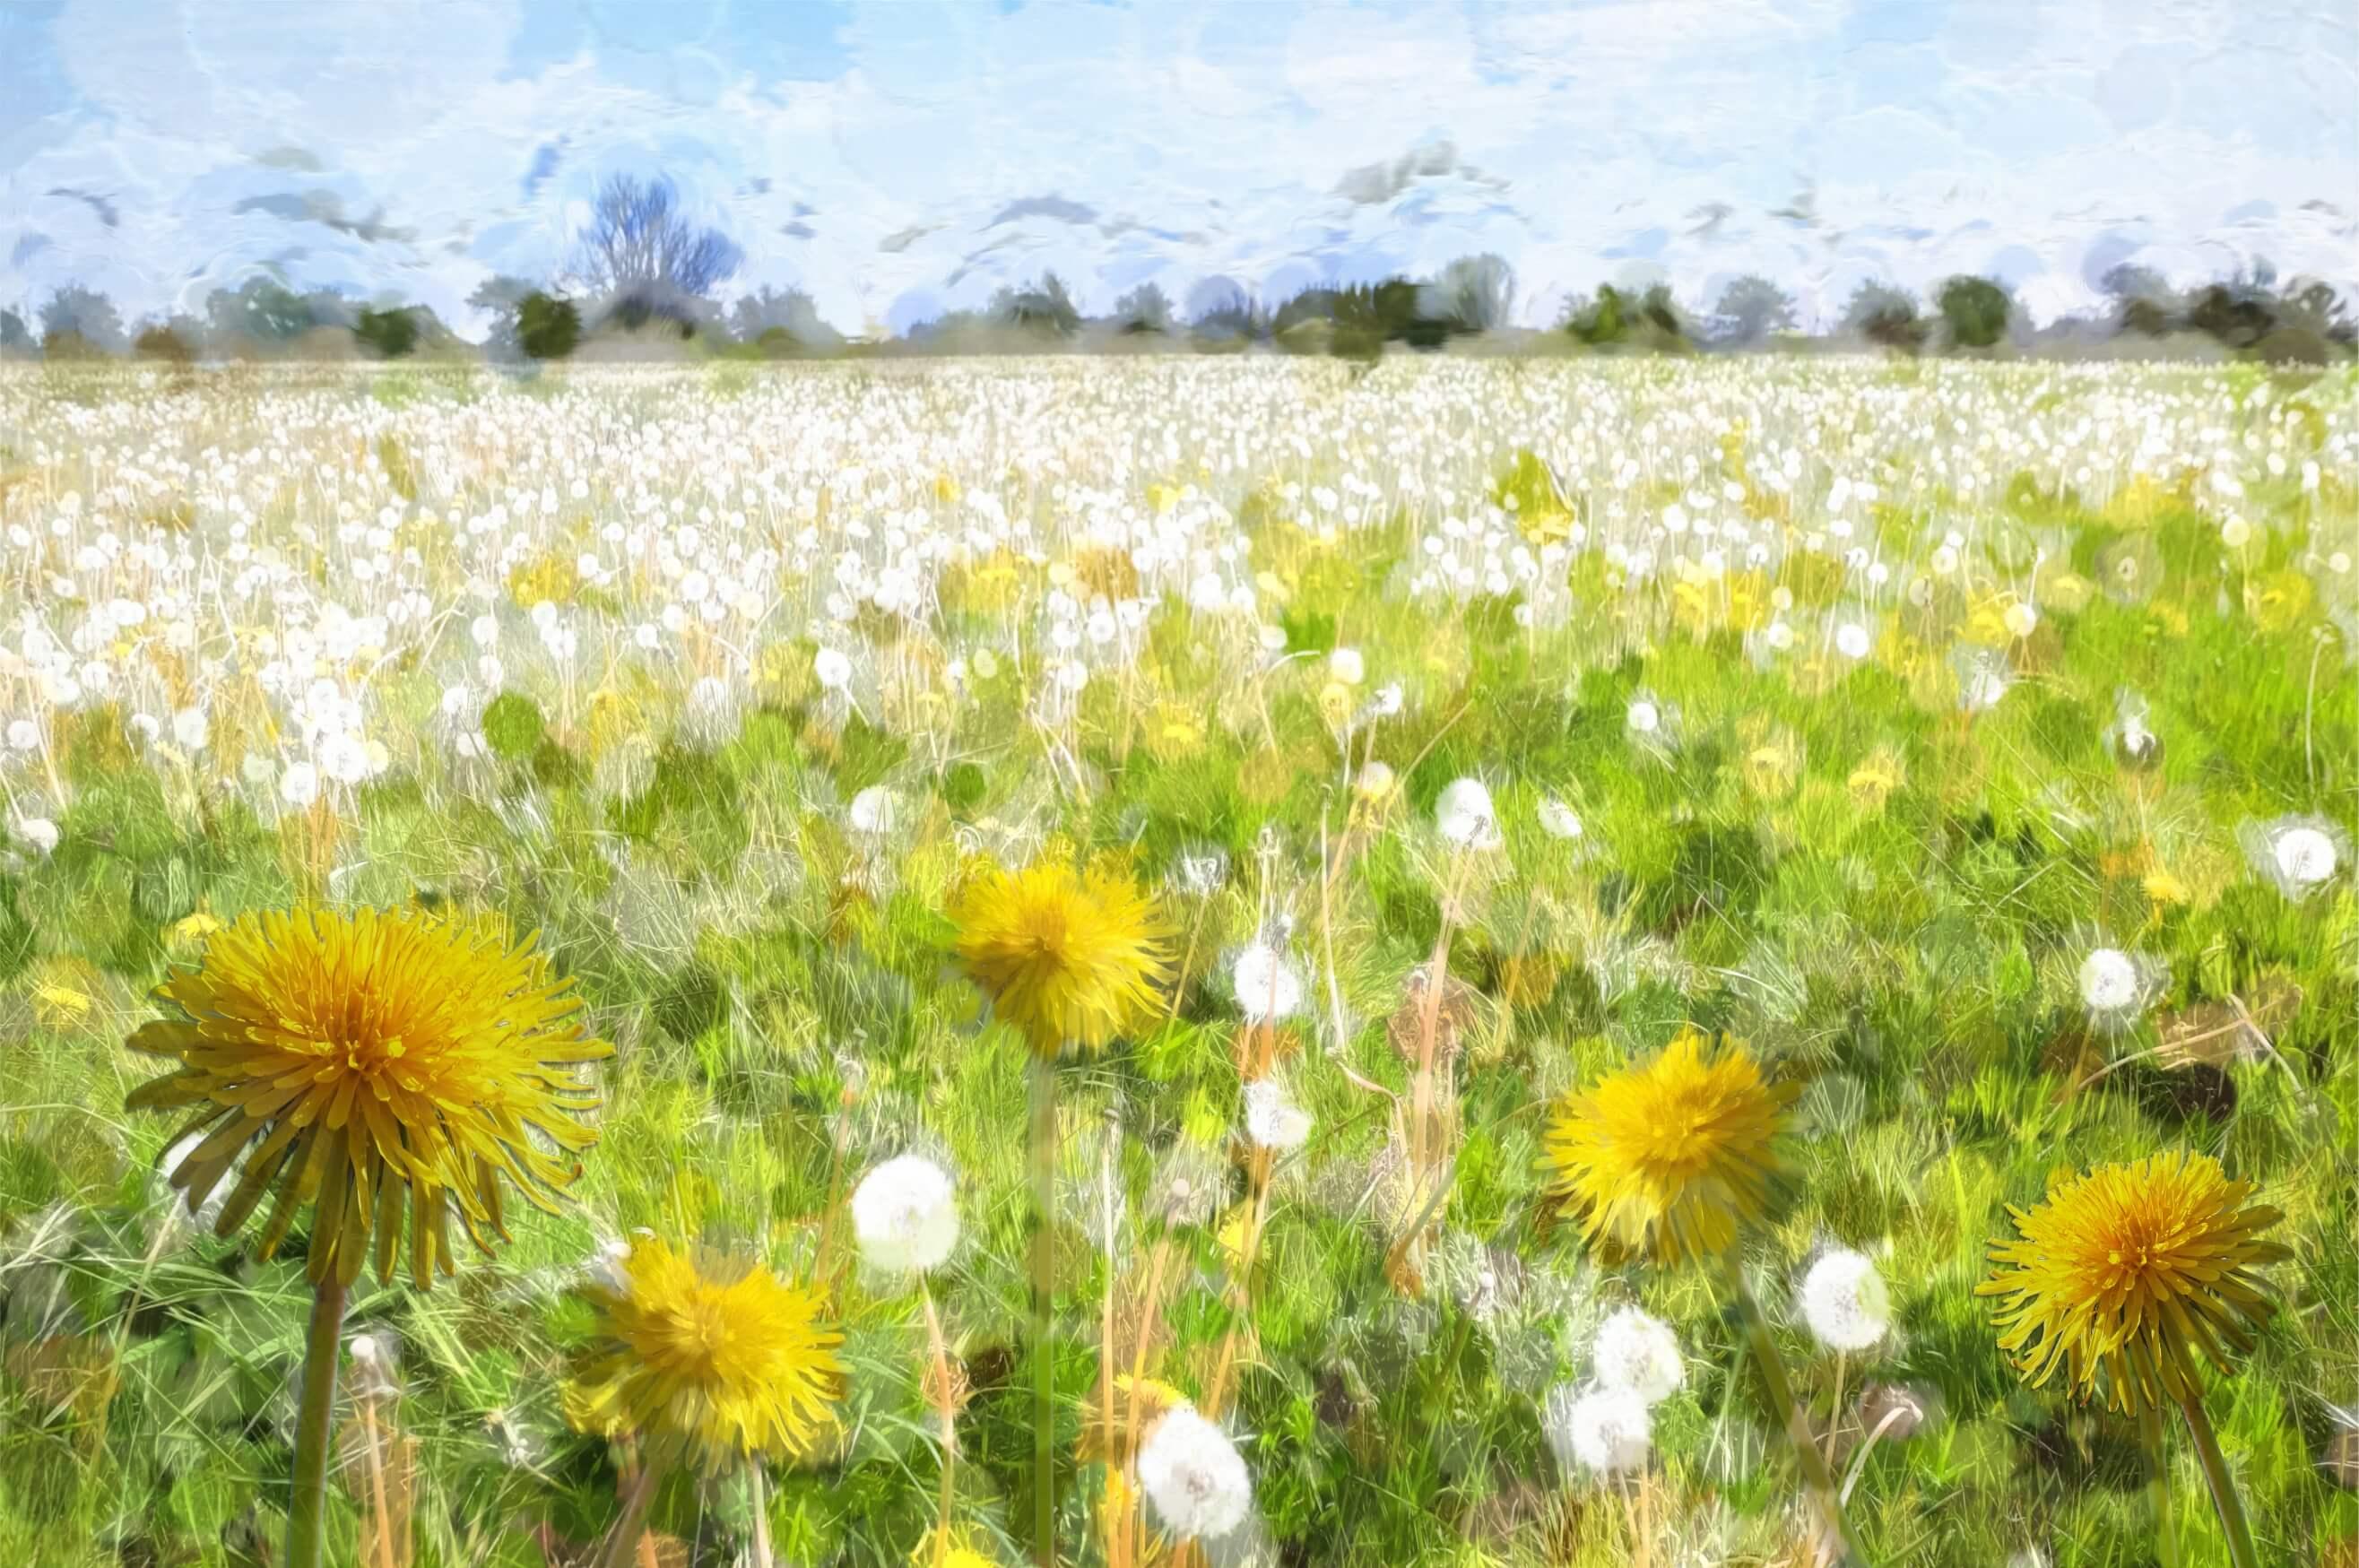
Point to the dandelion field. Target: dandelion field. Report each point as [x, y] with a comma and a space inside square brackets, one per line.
[1978, 744]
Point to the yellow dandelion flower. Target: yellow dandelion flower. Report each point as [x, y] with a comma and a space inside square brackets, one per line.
[1673, 1156]
[1873, 780]
[945, 1548]
[195, 928]
[1068, 957]
[723, 1357]
[364, 1063]
[2122, 1275]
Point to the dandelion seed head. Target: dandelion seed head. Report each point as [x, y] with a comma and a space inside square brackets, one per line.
[1638, 1352]
[904, 1215]
[1195, 1476]
[1273, 1120]
[1843, 1300]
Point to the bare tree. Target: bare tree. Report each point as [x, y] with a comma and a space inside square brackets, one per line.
[645, 256]
[1474, 292]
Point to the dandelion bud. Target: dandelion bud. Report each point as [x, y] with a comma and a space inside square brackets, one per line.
[376, 1373]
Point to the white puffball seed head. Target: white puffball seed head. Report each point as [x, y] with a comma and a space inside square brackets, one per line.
[1267, 987]
[1466, 817]
[1844, 1302]
[1610, 1431]
[1195, 1476]
[2305, 856]
[904, 1215]
[2109, 980]
[1638, 1352]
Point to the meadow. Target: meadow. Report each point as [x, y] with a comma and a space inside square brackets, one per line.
[1976, 743]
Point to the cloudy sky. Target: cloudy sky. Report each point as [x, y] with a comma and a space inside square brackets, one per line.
[897, 157]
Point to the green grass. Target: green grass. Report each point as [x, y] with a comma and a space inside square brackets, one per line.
[1888, 898]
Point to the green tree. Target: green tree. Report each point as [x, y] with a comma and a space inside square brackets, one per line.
[1750, 310]
[1600, 320]
[1885, 316]
[1975, 311]
[390, 334]
[1043, 307]
[162, 345]
[500, 297]
[261, 310]
[1660, 312]
[2143, 300]
[1145, 310]
[79, 321]
[547, 327]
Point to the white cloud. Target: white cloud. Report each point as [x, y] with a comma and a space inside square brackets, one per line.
[1200, 140]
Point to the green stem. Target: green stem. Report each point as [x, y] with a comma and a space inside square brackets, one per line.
[2241, 1551]
[307, 1508]
[2157, 1462]
[1815, 1473]
[759, 1496]
[653, 1468]
[1043, 1151]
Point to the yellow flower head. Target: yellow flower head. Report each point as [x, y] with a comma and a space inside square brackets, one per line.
[2129, 1270]
[368, 1063]
[945, 1548]
[1068, 957]
[725, 1358]
[1672, 1157]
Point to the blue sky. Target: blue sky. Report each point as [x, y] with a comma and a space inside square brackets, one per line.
[897, 157]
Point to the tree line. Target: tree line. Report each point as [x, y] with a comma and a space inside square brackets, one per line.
[644, 275]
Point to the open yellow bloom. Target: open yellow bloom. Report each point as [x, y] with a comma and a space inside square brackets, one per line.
[1068, 957]
[2128, 1271]
[945, 1548]
[368, 1063]
[724, 1357]
[1673, 1156]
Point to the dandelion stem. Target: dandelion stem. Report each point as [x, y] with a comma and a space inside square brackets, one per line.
[2157, 1463]
[2241, 1551]
[949, 1408]
[758, 1498]
[1835, 1416]
[1815, 1475]
[1043, 1152]
[307, 1508]
[630, 1529]
[1859, 1460]
[381, 1522]
[1110, 1527]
